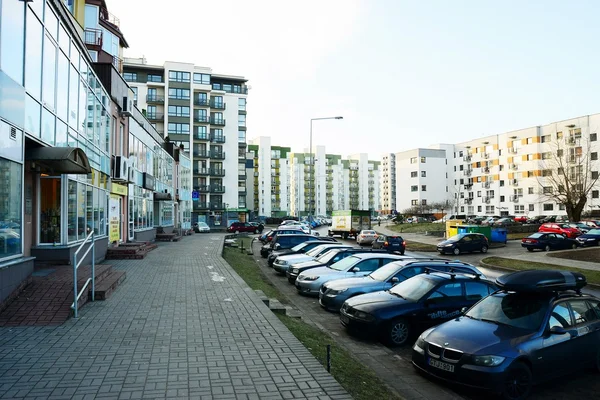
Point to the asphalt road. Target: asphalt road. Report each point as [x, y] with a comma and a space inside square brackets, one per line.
[393, 365]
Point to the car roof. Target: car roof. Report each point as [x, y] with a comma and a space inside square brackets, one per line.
[380, 255]
[455, 276]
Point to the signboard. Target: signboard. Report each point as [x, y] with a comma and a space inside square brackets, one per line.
[148, 181]
[114, 218]
[195, 195]
[118, 189]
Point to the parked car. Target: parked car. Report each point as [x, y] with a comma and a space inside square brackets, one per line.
[283, 263]
[329, 258]
[583, 228]
[239, 227]
[410, 307]
[591, 238]
[476, 220]
[301, 248]
[521, 219]
[366, 237]
[361, 264]
[594, 223]
[563, 229]
[285, 241]
[201, 227]
[333, 293]
[391, 243]
[536, 220]
[267, 236]
[539, 329]
[548, 241]
[464, 243]
[259, 225]
[505, 221]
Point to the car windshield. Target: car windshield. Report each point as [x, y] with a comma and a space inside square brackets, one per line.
[317, 250]
[385, 272]
[414, 288]
[456, 238]
[327, 256]
[594, 232]
[368, 232]
[345, 264]
[519, 310]
[536, 235]
[202, 225]
[299, 247]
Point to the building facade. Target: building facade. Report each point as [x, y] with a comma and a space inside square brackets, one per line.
[387, 187]
[206, 113]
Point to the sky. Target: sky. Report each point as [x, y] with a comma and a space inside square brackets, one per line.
[403, 74]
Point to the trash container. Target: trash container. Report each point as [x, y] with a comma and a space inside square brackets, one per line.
[499, 235]
[485, 230]
[452, 227]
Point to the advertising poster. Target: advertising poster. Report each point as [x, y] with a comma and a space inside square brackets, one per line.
[114, 215]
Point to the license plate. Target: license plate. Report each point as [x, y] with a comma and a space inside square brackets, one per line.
[344, 319]
[441, 365]
[528, 241]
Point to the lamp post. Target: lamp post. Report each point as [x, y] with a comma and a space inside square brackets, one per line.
[226, 216]
[312, 164]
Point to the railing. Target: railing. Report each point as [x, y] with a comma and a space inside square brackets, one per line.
[76, 263]
[201, 171]
[152, 98]
[200, 206]
[201, 136]
[92, 36]
[217, 139]
[110, 18]
[201, 118]
[217, 189]
[217, 105]
[154, 117]
[217, 172]
[218, 155]
[201, 154]
[118, 63]
[201, 102]
[217, 121]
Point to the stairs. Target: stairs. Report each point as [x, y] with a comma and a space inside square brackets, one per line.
[130, 251]
[108, 285]
[277, 307]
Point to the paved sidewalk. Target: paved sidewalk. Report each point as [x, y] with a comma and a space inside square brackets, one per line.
[183, 325]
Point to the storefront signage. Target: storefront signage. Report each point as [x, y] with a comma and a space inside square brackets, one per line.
[195, 195]
[118, 189]
[114, 215]
[148, 181]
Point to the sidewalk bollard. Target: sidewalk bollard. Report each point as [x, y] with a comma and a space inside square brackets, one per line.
[241, 245]
[328, 358]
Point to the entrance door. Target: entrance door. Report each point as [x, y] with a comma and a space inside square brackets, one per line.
[130, 222]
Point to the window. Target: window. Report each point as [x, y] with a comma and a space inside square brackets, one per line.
[593, 137]
[582, 312]
[413, 160]
[476, 290]
[559, 135]
[594, 156]
[242, 104]
[548, 207]
[154, 78]
[423, 160]
[182, 129]
[11, 39]
[414, 202]
[203, 79]
[560, 153]
[414, 174]
[10, 203]
[130, 76]
[424, 173]
[560, 317]
[446, 293]
[241, 120]
[546, 138]
[531, 207]
[424, 202]
[241, 136]
[369, 265]
[135, 93]
[414, 188]
[423, 188]
[595, 194]
[179, 111]
[179, 76]
[180, 94]
[520, 209]
[49, 73]
[547, 190]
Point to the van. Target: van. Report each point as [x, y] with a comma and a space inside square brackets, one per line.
[456, 216]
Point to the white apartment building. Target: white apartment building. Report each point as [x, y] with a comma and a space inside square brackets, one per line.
[387, 187]
[204, 112]
[503, 174]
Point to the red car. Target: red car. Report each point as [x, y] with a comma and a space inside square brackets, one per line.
[238, 227]
[563, 229]
[522, 219]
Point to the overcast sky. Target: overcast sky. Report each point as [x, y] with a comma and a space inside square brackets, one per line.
[403, 74]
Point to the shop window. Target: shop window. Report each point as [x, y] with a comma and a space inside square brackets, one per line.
[10, 208]
[50, 196]
[72, 211]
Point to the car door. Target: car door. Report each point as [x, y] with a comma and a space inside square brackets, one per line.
[364, 267]
[558, 349]
[442, 304]
[560, 242]
[378, 244]
[587, 324]
[465, 244]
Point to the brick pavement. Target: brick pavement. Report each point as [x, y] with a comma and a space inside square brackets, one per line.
[183, 325]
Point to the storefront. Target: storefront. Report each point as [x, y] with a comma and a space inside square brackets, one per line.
[117, 223]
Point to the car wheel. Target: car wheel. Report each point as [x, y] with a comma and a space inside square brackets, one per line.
[517, 382]
[456, 251]
[547, 247]
[237, 232]
[484, 249]
[401, 253]
[398, 332]
[256, 231]
[345, 236]
[529, 249]
[574, 246]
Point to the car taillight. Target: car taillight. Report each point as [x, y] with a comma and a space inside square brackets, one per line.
[403, 243]
[362, 236]
[385, 243]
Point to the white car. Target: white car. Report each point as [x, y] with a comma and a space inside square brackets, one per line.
[366, 237]
[283, 263]
[202, 227]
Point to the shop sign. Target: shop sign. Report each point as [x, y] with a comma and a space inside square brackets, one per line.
[114, 215]
[148, 181]
[118, 189]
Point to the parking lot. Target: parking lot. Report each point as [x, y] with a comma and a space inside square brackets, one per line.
[393, 365]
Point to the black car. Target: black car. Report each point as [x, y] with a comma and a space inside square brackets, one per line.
[285, 241]
[391, 243]
[299, 249]
[548, 241]
[591, 238]
[414, 305]
[329, 258]
[537, 327]
[464, 243]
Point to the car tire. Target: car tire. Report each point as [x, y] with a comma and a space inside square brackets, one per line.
[237, 232]
[401, 253]
[345, 236]
[547, 248]
[529, 249]
[484, 249]
[456, 251]
[517, 382]
[398, 332]
[256, 231]
[574, 246]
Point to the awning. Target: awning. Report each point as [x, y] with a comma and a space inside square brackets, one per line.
[160, 196]
[60, 160]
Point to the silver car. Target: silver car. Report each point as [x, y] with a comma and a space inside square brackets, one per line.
[356, 265]
[366, 237]
[282, 263]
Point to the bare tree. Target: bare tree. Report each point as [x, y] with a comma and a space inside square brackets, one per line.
[567, 176]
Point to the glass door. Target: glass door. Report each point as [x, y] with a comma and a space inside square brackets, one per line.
[130, 230]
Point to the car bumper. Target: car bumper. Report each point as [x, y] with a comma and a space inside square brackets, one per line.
[369, 328]
[282, 269]
[331, 303]
[309, 288]
[291, 277]
[445, 249]
[487, 378]
[531, 246]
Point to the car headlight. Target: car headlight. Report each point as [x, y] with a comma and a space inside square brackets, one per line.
[309, 278]
[420, 343]
[488, 361]
[295, 271]
[449, 245]
[334, 292]
[364, 316]
[281, 262]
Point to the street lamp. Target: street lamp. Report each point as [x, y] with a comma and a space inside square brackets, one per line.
[226, 216]
[312, 163]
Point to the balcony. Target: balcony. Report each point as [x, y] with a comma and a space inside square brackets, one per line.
[92, 37]
[217, 155]
[468, 200]
[201, 154]
[201, 188]
[198, 206]
[468, 186]
[201, 171]
[110, 18]
[217, 139]
[217, 172]
[201, 136]
[217, 189]
[329, 186]
[201, 118]
[216, 206]
[217, 105]
[153, 98]
[514, 199]
[202, 102]
[217, 121]
[468, 172]
[329, 178]
[155, 117]
[467, 158]
[485, 170]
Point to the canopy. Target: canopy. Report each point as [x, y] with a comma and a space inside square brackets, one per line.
[60, 160]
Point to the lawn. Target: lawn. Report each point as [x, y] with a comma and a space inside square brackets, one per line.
[591, 275]
[417, 228]
[359, 380]
[417, 246]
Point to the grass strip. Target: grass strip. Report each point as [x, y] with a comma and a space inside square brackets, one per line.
[520, 265]
[417, 228]
[359, 380]
[417, 246]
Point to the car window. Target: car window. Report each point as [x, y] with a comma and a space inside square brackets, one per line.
[409, 272]
[559, 237]
[297, 240]
[283, 241]
[582, 312]
[369, 265]
[466, 239]
[560, 317]
[447, 292]
[476, 290]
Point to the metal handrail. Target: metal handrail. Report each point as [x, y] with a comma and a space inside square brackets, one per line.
[77, 295]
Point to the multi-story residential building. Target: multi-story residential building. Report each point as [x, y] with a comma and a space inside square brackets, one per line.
[206, 113]
[270, 178]
[503, 174]
[388, 184]
[363, 182]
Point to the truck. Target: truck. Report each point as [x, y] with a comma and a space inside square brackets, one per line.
[349, 223]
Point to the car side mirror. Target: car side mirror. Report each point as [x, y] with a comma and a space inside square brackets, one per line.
[464, 310]
[559, 330]
[355, 269]
[276, 246]
[395, 280]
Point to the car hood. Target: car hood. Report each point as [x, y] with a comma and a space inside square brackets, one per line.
[445, 242]
[295, 258]
[307, 264]
[478, 337]
[589, 236]
[320, 271]
[347, 283]
[377, 300]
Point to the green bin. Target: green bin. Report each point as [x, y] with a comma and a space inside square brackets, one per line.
[483, 229]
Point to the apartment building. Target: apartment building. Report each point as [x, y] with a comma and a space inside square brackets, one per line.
[387, 187]
[205, 113]
[503, 174]
[269, 178]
